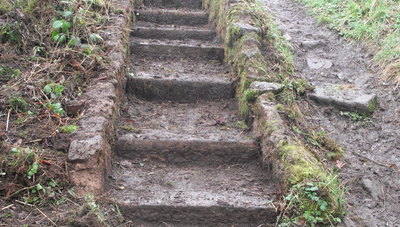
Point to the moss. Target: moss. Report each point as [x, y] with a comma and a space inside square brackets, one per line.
[311, 187]
[372, 105]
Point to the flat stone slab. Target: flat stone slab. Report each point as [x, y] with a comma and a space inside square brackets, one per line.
[205, 196]
[264, 87]
[179, 79]
[152, 31]
[345, 97]
[177, 48]
[202, 133]
[172, 16]
[192, 4]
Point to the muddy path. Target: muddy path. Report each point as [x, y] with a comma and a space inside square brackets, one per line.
[371, 160]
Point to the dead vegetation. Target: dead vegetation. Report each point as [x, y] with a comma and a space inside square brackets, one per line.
[49, 53]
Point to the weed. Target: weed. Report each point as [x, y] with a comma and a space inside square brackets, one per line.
[54, 90]
[10, 33]
[7, 73]
[130, 128]
[55, 108]
[17, 104]
[241, 125]
[68, 128]
[356, 117]
[308, 205]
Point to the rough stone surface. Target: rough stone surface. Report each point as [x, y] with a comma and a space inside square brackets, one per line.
[311, 44]
[263, 87]
[374, 188]
[269, 126]
[246, 28]
[84, 148]
[90, 151]
[345, 97]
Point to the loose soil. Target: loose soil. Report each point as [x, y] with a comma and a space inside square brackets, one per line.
[371, 162]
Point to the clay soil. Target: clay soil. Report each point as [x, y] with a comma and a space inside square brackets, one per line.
[371, 162]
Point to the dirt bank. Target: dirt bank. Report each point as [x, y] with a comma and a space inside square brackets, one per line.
[371, 160]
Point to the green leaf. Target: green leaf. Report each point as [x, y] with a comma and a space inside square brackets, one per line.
[94, 38]
[73, 41]
[66, 14]
[55, 36]
[57, 24]
[58, 89]
[33, 170]
[14, 150]
[47, 89]
[62, 39]
[39, 187]
[65, 26]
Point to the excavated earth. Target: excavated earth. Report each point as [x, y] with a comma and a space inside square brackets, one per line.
[371, 162]
[182, 155]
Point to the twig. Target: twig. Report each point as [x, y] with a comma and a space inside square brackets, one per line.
[46, 216]
[6, 207]
[373, 161]
[8, 120]
[24, 203]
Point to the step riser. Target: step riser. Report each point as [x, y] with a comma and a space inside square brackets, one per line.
[201, 216]
[159, 33]
[159, 17]
[157, 50]
[191, 4]
[180, 91]
[202, 153]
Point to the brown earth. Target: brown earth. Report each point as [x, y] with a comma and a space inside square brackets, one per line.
[371, 162]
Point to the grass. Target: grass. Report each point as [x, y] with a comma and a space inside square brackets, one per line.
[375, 22]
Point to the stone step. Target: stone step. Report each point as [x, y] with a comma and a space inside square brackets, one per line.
[177, 48]
[191, 4]
[202, 134]
[180, 80]
[172, 16]
[153, 31]
[238, 195]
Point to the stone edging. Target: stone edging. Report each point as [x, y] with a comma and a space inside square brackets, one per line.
[89, 156]
[243, 30]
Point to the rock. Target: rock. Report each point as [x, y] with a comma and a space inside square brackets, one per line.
[246, 28]
[374, 188]
[345, 97]
[264, 87]
[311, 44]
[317, 63]
[287, 37]
[74, 107]
[86, 148]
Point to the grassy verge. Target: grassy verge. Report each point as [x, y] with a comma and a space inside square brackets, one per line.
[256, 50]
[376, 23]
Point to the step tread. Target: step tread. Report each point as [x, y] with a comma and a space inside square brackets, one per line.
[145, 24]
[173, 16]
[181, 69]
[204, 120]
[174, 4]
[179, 11]
[143, 184]
[185, 43]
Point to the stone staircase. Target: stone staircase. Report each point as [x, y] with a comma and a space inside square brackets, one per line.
[182, 155]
